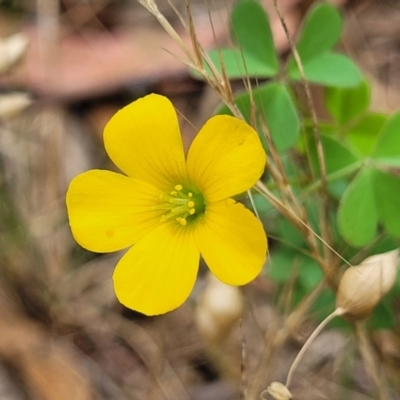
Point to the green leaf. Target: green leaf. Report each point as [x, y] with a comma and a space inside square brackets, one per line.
[238, 64]
[275, 105]
[263, 207]
[357, 213]
[310, 273]
[289, 234]
[275, 102]
[383, 317]
[320, 32]
[344, 104]
[250, 28]
[384, 245]
[329, 69]
[324, 305]
[362, 136]
[336, 155]
[337, 188]
[281, 265]
[387, 194]
[387, 150]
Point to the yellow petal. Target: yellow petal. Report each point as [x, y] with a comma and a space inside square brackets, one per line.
[109, 211]
[226, 158]
[159, 272]
[144, 141]
[232, 242]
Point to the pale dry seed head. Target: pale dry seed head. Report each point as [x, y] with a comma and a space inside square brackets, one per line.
[279, 391]
[11, 50]
[218, 310]
[13, 103]
[363, 286]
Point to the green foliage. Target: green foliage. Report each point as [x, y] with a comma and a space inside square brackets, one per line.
[362, 135]
[361, 148]
[357, 214]
[330, 69]
[320, 32]
[337, 155]
[387, 149]
[346, 104]
[254, 54]
[249, 21]
[275, 106]
[373, 196]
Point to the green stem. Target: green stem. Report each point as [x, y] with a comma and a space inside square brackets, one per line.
[342, 173]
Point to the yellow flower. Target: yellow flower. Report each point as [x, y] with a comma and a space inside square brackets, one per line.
[172, 208]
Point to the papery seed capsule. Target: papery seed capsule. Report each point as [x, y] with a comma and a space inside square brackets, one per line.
[219, 309]
[363, 286]
[279, 391]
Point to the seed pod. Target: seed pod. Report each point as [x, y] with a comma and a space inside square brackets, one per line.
[279, 391]
[219, 308]
[13, 103]
[363, 286]
[11, 50]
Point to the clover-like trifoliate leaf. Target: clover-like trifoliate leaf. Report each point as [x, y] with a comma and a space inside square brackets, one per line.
[320, 31]
[344, 104]
[329, 69]
[387, 149]
[251, 30]
[362, 135]
[387, 195]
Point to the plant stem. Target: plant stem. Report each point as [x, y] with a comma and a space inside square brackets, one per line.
[307, 344]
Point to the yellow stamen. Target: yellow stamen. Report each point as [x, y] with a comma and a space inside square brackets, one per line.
[180, 205]
[182, 221]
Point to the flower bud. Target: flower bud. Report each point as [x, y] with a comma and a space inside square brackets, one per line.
[279, 391]
[219, 308]
[363, 286]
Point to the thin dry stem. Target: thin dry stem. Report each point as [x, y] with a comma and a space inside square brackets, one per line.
[371, 361]
[307, 344]
[309, 234]
[151, 355]
[325, 225]
[152, 7]
[278, 337]
[278, 174]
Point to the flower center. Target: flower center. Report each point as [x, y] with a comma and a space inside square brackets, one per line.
[181, 204]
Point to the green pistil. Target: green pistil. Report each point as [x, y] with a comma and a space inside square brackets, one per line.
[183, 205]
